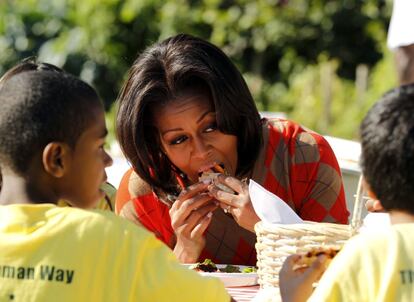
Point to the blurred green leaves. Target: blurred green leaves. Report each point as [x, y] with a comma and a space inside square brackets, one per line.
[280, 46]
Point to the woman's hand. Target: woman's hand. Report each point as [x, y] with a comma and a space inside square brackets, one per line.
[238, 203]
[296, 285]
[190, 216]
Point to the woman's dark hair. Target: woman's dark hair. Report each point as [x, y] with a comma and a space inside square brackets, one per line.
[40, 104]
[387, 141]
[164, 72]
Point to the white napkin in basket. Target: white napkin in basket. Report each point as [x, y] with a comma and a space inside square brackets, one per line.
[269, 207]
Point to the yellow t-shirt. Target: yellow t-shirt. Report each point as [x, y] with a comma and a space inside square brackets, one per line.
[372, 267]
[107, 203]
[50, 253]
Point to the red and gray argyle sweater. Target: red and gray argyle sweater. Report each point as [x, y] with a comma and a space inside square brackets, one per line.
[296, 164]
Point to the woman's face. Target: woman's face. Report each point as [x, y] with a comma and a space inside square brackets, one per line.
[190, 138]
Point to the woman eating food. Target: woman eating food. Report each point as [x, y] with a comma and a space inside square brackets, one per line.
[188, 125]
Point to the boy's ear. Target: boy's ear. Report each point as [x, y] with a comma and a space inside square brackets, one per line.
[371, 194]
[373, 204]
[55, 158]
[367, 189]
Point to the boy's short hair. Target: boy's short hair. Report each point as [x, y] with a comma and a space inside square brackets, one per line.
[387, 141]
[27, 65]
[40, 104]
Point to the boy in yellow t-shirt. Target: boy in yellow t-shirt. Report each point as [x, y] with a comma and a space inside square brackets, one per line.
[375, 266]
[52, 133]
[105, 203]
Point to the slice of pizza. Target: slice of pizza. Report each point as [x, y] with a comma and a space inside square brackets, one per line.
[307, 259]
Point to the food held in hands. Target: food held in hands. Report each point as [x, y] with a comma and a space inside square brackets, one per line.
[307, 259]
[212, 174]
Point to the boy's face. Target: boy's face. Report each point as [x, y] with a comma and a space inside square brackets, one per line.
[88, 160]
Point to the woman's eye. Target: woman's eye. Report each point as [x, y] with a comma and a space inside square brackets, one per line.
[178, 140]
[211, 127]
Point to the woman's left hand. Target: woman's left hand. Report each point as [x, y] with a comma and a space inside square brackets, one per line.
[238, 204]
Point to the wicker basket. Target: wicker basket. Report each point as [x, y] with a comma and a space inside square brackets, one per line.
[275, 242]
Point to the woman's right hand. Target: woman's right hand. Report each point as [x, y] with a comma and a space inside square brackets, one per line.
[190, 216]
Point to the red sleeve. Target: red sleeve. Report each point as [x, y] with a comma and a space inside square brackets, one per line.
[321, 197]
[135, 201]
[304, 172]
[122, 194]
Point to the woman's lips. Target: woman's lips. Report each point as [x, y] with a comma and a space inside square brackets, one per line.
[213, 167]
[206, 167]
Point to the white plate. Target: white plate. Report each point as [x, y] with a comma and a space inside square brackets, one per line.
[233, 279]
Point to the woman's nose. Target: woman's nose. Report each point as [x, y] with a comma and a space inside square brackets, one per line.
[201, 148]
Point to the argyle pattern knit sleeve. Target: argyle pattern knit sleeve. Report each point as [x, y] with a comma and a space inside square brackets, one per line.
[136, 201]
[299, 166]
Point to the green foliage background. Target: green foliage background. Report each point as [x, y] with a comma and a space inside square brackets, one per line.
[291, 52]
